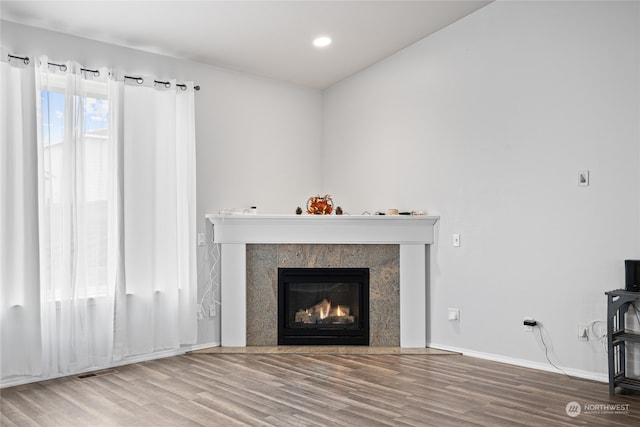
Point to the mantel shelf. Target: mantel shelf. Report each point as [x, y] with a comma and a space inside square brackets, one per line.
[323, 229]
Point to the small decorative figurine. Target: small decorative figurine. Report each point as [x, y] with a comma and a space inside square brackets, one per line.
[317, 205]
[339, 210]
[298, 210]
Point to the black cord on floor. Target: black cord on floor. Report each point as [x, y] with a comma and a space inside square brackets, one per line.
[546, 353]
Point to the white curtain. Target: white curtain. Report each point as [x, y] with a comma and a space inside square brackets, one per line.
[97, 219]
[20, 346]
[159, 218]
[76, 168]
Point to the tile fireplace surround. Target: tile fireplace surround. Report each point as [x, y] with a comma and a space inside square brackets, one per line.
[411, 233]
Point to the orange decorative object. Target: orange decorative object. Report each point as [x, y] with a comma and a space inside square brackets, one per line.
[317, 205]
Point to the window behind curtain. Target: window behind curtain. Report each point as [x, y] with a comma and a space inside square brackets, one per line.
[84, 121]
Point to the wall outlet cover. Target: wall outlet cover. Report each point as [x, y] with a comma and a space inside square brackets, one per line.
[583, 333]
[528, 328]
[199, 312]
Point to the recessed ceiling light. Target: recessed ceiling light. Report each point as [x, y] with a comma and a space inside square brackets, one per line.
[322, 41]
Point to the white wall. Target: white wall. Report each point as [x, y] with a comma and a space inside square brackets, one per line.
[254, 136]
[487, 124]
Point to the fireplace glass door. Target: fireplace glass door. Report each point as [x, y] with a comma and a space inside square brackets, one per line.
[323, 306]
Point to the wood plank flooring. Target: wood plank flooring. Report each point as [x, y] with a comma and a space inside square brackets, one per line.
[316, 390]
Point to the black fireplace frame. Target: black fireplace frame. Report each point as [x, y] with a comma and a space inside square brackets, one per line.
[320, 336]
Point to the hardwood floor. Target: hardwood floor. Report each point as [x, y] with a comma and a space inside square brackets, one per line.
[315, 390]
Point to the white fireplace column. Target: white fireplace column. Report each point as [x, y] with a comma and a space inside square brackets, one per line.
[234, 232]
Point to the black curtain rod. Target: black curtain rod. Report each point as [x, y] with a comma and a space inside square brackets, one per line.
[96, 73]
[25, 59]
[63, 67]
[184, 87]
[167, 84]
[139, 80]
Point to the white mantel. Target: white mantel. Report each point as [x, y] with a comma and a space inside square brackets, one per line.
[412, 233]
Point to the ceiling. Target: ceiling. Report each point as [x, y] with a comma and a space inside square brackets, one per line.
[267, 38]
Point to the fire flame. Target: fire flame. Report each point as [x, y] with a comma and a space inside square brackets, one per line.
[324, 311]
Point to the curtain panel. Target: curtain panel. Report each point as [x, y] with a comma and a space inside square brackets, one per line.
[159, 219]
[20, 341]
[75, 169]
[98, 203]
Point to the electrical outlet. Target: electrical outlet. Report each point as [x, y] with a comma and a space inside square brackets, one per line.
[199, 312]
[212, 310]
[528, 328]
[454, 314]
[201, 240]
[456, 240]
[583, 332]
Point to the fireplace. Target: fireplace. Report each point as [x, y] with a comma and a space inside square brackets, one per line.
[323, 306]
[246, 321]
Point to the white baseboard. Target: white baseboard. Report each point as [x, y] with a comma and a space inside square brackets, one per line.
[21, 380]
[203, 346]
[588, 375]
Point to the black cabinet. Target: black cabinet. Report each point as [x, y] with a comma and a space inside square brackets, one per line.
[618, 337]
